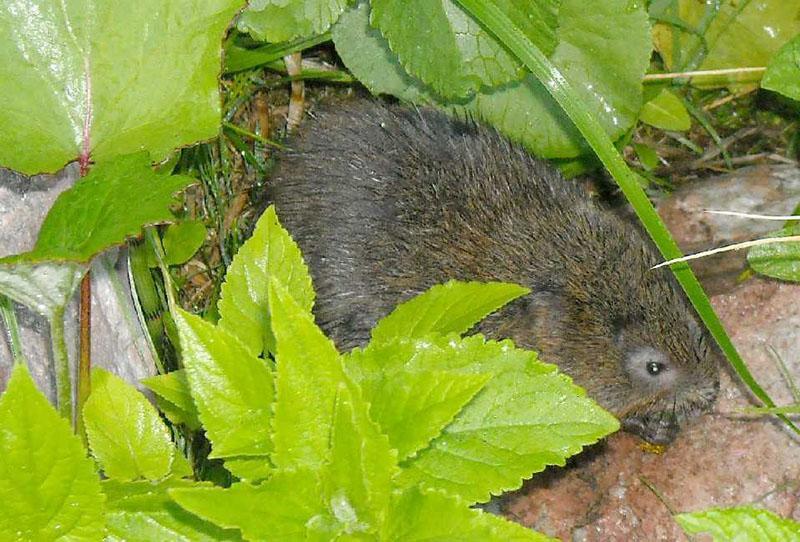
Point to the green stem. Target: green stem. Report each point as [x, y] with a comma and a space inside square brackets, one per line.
[497, 23]
[12, 326]
[63, 382]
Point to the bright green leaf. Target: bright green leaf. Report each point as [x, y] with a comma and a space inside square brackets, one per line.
[667, 112]
[109, 78]
[44, 287]
[173, 389]
[126, 435]
[250, 468]
[282, 20]
[648, 157]
[778, 260]
[603, 52]
[232, 389]
[783, 72]
[445, 48]
[438, 517]
[142, 511]
[48, 487]
[278, 509]
[453, 307]
[96, 213]
[269, 254]
[308, 377]
[743, 524]
[182, 240]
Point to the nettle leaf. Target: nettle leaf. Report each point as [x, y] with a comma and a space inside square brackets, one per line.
[176, 397]
[740, 524]
[48, 487]
[44, 287]
[783, 72]
[278, 509]
[269, 254]
[103, 79]
[526, 417]
[667, 112]
[96, 213]
[445, 48]
[435, 516]
[366, 54]
[778, 260]
[453, 307]
[308, 377]
[282, 20]
[126, 435]
[143, 511]
[233, 389]
[603, 52]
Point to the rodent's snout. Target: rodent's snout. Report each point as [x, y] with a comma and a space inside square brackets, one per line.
[656, 428]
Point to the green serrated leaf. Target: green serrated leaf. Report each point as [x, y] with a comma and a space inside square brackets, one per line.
[96, 213]
[454, 307]
[366, 54]
[742, 524]
[282, 20]
[526, 417]
[142, 511]
[603, 52]
[182, 240]
[233, 389]
[270, 254]
[438, 517]
[173, 389]
[48, 487]
[307, 381]
[107, 78]
[126, 435]
[445, 48]
[278, 509]
[44, 287]
[783, 72]
[250, 468]
[667, 112]
[777, 260]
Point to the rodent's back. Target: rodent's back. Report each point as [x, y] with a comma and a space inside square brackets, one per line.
[387, 201]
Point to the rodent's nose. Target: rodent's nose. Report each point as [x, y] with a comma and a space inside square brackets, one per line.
[655, 427]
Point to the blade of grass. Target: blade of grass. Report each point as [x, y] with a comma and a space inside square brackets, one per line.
[239, 58]
[12, 327]
[486, 13]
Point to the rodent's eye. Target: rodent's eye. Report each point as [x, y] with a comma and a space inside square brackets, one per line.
[654, 368]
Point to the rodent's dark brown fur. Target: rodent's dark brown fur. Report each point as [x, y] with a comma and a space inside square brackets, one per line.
[387, 201]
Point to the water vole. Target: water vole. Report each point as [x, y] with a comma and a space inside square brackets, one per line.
[386, 201]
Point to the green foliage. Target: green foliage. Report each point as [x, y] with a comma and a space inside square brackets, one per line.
[105, 79]
[667, 112]
[743, 524]
[282, 20]
[126, 435]
[783, 72]
[778, 260]
[174, 398]
[182, 240]
[44, 287]
[48, 486]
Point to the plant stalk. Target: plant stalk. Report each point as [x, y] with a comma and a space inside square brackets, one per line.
[84, 354]
[61, 360]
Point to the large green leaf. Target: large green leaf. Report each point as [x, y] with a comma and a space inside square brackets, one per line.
[143, 511]
[270, 254]
[173, 388]
[743, 524]
[438, 517]
[526, 417]
[282, 20]
[445, 48]
[44, 287]
[308, 377]
[48, 487]
[126, 435]
[233, 389]
[97, 212]
[783, 72]
[101, 79]
[778, 260]
[453, 307]
[278, 509]
[603, 52]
